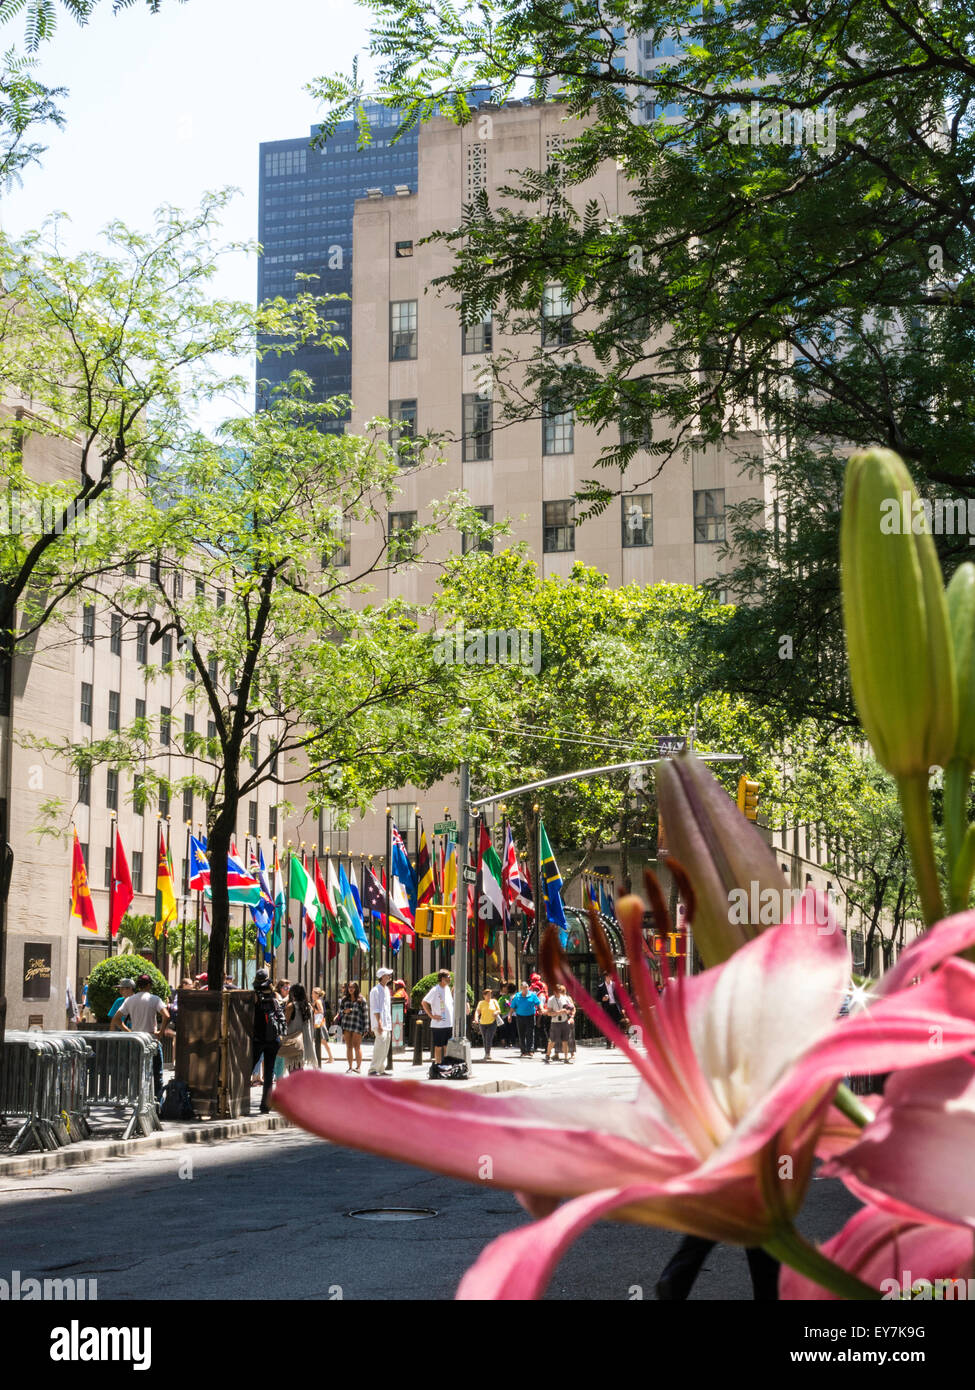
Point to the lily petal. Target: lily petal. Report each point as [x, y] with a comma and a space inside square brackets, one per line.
[944, 939]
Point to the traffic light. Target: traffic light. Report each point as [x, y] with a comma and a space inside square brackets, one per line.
[748, 798]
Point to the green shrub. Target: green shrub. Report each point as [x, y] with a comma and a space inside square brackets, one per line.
[103, 982]
[425, 985]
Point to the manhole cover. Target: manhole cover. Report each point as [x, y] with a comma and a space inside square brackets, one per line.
[35, 1191]
[393, 1213]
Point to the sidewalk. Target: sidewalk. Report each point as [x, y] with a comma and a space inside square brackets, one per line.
[597, 1072]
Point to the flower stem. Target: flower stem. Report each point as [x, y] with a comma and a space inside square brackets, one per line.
[789, 1247]
[916, 809]
[957, 775]
[846, 1102]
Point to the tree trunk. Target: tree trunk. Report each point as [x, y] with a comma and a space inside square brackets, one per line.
[220, 833]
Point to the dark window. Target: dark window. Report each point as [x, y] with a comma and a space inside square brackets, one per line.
[84, 854]
[477, 426]
[88, 625]
[558, 531]
[477, 337]
[200, 588]
[165, 725]
[188, 805]
[84, 786]
[137, 870]
[221, 597]
[403, 814]
[485, 543]
[164, 802]
[155, 572]
[402, 535]
[167, 649]
[116, 638]
[177, 585]
[254, 748]
[211, 728]
[637, 520]
[403, 249]
[212, 669]
[185, 876]
[340, 557]
[188, 728]
[139, 793]
[130, 568]
[108, 867]
[402, 330]
[556, 317]
[557, 426]
[709, 524]
[111, 790]
[272, 822]
[142, 644]
[114, 701]
[85, 703]
[402, 438]
[140, 709]
[252, 817]
[274, 758]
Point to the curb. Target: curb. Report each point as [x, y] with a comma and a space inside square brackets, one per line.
[203, 1132]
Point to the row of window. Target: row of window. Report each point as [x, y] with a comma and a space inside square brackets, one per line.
[477, 337]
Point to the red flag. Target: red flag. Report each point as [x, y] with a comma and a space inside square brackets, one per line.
[81, 903]
[120, 892]
[307, 917]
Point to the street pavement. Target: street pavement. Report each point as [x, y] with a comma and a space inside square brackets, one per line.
[267, 1216]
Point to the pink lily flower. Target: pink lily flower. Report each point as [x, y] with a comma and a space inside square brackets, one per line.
[735, 1086]
[891, 1255]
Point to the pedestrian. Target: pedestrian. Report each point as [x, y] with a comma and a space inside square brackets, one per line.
[126, 988]
[486, 1016]
[606, 998]
[438, 1005]
[537, 986]
[560, 1009]
[298, 1044]
[281, 989]
[321, 1025]
[352, 1016]
[268, 1031]
[381, 1019]
[524, 1005]
[146, 1013]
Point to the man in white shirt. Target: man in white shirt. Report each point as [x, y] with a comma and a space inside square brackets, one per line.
[381, 1016]
[146, 1013]
[438, 1005]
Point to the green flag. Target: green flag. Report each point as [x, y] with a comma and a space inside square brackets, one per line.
[300, 886]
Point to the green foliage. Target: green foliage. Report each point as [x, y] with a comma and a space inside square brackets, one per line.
[139, 930]
[103, 982]
[425, 985]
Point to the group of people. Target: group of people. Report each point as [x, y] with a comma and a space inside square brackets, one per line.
[529, 1018]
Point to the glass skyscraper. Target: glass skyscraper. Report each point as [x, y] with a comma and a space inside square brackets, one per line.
[307, 199]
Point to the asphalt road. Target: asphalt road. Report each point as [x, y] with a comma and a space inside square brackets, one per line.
[267, 1217]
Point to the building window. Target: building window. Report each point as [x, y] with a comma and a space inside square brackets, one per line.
[402, 535]
[108, 867]
[221, 597]
[84, 787]
[252, 818]
[85, 703]
[189, 725]
[88, 625]
[557, 426]
[212, 669]
[477, 337]
[165, 725]
[478, 424]
[637, 521]
[142, 645]
[403, 250]
[402, 330]
[484, 543]
[558, 526]
[556, 316]
[140, 709]
[273, 765]
[340, 557]
[200, 588]
[164, 802]
[403, 815]
[211, 728]
[167, 648]
[402, 438]
[116, 637]
[177, 585]
[137, 870]
[254, 750]
[114, 701]
[188, 805]
[709, 524]
[111, 790]
[272, 823]
[139, 793]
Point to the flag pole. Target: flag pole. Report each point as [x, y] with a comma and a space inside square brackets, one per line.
[165, 932]
[189, 875]
[199, 924]
[111, 886]
[287, 912]
[504, 898]
[389, 864]
[541, 913]
[243, 921]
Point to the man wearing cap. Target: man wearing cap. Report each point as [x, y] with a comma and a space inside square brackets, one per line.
[381, 1017]
[268, 1031]
[146, 1013]
[126, 989]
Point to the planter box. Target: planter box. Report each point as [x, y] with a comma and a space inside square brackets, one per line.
[214, 1048]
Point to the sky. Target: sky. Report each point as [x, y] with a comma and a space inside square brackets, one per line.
[162, 108]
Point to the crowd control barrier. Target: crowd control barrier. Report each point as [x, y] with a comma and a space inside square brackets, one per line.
[44, 1086]
[120, 1074]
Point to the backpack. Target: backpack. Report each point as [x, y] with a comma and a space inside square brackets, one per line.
[268, 1019]
[448, 1071]
[177, 1102]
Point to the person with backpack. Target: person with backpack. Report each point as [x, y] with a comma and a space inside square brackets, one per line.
[268, 1031]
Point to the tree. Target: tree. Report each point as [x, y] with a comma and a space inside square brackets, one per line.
[822, 287]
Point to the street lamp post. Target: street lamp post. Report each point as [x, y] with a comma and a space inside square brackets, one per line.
[459, 1049]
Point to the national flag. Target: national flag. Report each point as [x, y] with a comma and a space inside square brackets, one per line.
[606, 902]
[81, 903]
[165, 894]
[120, 893]
[205, 918]
[301, 887]
[242, 887]
[554, 907]
[490, 908]
[262, 911]
[402, 890]
[424, 873]
[344, 931]
[517, 889]
[348, 901]
[280, 901]
[374, 899]
[199, 865]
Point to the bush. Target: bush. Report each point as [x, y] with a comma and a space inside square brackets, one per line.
[103, 982]
[425, 985]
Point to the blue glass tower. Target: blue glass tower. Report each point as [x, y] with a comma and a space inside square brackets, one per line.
[307, 199]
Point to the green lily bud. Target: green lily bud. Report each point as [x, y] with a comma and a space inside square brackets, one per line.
[738, 886]
[902, 667]
[960, 595]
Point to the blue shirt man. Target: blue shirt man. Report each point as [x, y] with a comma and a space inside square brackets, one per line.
[524, 1004]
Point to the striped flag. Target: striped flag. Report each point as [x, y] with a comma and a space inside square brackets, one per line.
[165, 893]
[424, 873]
[517, 889]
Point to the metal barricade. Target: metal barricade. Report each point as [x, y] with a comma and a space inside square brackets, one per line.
[120, 1074]
[75, 1060]
[31, 1090]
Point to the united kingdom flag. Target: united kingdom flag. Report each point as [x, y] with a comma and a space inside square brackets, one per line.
[514, 881]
